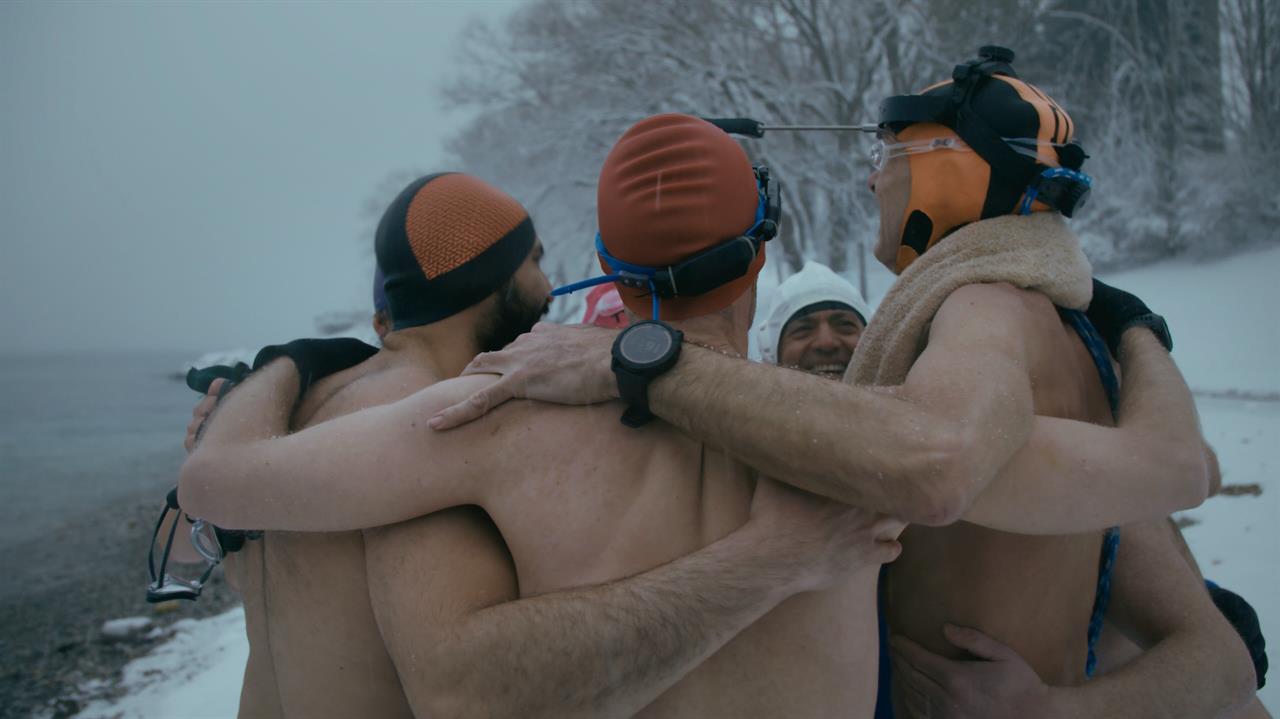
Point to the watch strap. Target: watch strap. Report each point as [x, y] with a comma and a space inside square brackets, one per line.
[634, 390]
[1156, 324]
[634, 416]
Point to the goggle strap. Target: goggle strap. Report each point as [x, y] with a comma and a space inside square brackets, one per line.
[205, 577]
[168, 545]
[1033, 191]
[620, 266]
[623, 271]
[584, 284]
[151, 551]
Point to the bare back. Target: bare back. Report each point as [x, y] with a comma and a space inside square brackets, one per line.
[314, 645]
[1034, 593]
[588, 500]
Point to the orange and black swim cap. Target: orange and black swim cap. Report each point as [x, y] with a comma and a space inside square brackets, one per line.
[447, 242]
[1016, 133]
[674, 186]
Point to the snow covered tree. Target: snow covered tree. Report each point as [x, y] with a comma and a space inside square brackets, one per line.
[554, 87]
[563, 80]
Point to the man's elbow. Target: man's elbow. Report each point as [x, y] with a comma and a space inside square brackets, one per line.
[1240, 675]
[1191, 473]
[199, 493]
[943, 478]
[1226, 673]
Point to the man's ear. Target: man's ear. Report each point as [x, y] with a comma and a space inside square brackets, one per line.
[381, 323]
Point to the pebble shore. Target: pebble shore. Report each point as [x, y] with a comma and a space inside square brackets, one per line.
[59, 591]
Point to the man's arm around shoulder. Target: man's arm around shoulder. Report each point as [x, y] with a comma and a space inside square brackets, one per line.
[248, 472]
[921, 453]
[441, 588]
[1074, 476]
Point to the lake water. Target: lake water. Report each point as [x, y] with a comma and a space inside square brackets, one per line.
[80, 432]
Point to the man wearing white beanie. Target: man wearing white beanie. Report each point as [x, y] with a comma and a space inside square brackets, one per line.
[814, 322]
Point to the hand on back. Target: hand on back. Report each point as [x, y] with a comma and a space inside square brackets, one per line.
[827, 541]
[997, 684]
[553, 363]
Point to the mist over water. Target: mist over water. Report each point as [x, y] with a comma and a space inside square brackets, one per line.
[80, 431]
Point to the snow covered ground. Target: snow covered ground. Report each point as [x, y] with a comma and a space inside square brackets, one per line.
[1227, 342]
[196, 674]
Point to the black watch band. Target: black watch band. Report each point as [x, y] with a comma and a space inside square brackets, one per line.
[1156, 324]
[634, 390]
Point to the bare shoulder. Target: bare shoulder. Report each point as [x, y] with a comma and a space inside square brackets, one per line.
[505, 424]
[392, 384]
[989, 310]
[993, 299]
[371, 388]
[447, 392]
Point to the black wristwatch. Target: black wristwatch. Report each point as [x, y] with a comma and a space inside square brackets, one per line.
[640, 353]
[1156, 324]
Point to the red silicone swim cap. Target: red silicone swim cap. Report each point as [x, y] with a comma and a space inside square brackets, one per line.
[673, 186]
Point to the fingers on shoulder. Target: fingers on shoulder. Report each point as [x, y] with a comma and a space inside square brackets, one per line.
[468, 400]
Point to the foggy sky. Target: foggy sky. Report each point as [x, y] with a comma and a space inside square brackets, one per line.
[193, 176]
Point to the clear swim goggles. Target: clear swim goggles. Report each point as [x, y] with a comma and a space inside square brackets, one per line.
[165, 586]
[881, 152]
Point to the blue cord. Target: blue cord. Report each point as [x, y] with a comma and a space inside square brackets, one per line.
[584, 284]
[1033, 192]
[1111, 542]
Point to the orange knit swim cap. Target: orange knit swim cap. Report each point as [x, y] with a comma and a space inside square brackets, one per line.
[447, 242]
[673, 186]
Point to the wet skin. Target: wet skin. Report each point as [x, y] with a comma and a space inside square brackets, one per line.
[316, 644]
[1034, 593]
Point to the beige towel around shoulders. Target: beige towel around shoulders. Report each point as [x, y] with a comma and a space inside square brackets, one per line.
[1037, 252]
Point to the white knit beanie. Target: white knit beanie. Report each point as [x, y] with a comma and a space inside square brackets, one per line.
[812, 284]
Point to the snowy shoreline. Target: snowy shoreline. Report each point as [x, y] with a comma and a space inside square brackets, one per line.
[196, 673]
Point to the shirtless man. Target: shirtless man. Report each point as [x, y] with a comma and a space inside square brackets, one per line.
[436, 631]
[581, 499]
[1160, 616]
[315, 648]
[1159, 609]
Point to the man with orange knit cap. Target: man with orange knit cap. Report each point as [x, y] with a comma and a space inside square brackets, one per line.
[701, 591]
[458, 274]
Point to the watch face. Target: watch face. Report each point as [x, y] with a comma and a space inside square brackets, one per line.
[645, 343]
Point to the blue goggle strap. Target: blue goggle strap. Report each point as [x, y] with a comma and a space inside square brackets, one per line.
[1033, 191]
[625, 270]
[621, 271]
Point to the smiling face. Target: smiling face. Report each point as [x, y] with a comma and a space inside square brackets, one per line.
[820, 342]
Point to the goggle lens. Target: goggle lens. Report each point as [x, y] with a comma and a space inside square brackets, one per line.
[191, 577]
